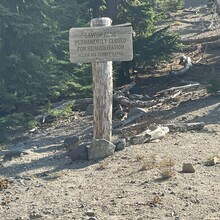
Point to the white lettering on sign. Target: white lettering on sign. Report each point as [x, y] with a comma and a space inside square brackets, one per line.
[97, 44]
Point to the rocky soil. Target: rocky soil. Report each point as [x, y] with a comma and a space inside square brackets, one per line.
[140, 182]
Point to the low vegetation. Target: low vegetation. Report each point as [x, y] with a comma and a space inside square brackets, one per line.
[35, 68]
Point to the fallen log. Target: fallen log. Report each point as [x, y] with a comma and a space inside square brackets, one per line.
[173, 127]
[217, 2]
[150, 135]
[49, 117]
[133, 119]
[124, 101]
[200, 40]
[128, 87]
[189, 48]
[211, 45]
[193, 21]
[133, 129]
[186, 62]
[182, 88]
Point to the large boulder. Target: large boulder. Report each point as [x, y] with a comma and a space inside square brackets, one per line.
[100, 148]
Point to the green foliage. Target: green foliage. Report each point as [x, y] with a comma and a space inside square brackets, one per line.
[170, 5]
[27, 66]
[34, 52]
[141, 14]
[153, 49]
[151, 46]
[66, 110]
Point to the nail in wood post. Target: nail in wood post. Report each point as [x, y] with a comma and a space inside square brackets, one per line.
[102, 92]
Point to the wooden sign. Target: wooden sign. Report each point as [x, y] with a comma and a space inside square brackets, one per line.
[101, 44]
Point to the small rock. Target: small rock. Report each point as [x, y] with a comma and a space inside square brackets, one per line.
[90, 213]
[140, 139]
[119, 114]
[35, 215]
[120, 144]
[213, 161]
[188, 168]
[100, 148]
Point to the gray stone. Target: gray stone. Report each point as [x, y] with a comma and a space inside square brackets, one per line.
[71, 142]
[100, 148]
[213, 161]
[89, 109]
[119, 114]
[78, 152]
[188, 168]
[120, 144]
[90, 213]
[140, 139]
[136, 111]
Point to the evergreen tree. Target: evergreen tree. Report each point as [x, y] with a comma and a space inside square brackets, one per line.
[27, 70]
[150, 44]
[28, 74]
[76, 79]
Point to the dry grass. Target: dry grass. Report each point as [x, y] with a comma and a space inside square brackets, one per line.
[4, 183]
[166, 168]
[148, 162]
[157, 200]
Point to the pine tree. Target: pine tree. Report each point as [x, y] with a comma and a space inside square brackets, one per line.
[28, 73]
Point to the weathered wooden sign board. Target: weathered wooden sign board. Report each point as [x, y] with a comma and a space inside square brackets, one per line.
[101, 44]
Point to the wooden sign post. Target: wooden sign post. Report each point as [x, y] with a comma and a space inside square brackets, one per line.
[101, 44]
[102, 92]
